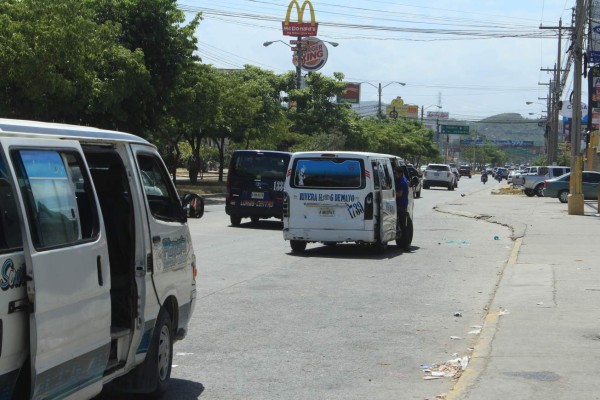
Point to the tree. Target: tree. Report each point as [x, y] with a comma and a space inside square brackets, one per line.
[57, 64]
[156, 28]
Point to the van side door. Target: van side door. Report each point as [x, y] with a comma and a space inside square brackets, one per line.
[67, 266]
[170, 253]
[388, 200]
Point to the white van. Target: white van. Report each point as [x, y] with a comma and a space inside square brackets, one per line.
[97, 275]
[334, 197]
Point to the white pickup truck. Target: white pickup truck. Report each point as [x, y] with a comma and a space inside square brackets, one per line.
[533, 179]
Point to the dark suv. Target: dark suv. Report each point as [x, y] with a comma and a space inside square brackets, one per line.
[464, 170]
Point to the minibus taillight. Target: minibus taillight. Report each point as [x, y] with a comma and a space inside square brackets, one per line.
[286, 205]
[369, 206]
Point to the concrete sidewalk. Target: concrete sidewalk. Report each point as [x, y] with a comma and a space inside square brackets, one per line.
[541, 338]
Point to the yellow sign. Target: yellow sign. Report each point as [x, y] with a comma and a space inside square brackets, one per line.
[300, 28]
[399, 109]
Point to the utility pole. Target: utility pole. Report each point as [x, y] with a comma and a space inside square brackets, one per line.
[555, 95]
[575, 194]
[299, 63]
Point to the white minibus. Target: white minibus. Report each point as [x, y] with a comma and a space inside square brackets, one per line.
[98, 274]
[334, 197]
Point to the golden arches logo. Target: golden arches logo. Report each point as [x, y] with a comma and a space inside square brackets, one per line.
[300, 28]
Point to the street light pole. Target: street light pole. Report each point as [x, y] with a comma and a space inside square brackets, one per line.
[379, 91]
[299, 63]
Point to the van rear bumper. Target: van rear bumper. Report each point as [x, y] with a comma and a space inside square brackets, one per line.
[329, 235]
[261, 212]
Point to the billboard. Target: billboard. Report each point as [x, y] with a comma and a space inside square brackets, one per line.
[399, 109]
[438, 115]
[351, 94]
[314, 54]
[300, 28]
[594, 42]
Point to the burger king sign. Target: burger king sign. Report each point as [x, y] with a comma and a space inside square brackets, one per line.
[314, 54]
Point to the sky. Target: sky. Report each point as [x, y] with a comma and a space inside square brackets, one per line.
[474, 58]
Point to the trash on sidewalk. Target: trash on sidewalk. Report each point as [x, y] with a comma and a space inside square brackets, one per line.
[496, 237]
[476, 330]
[458, 314]
[451, 369]
[456, 338]
[503, 311]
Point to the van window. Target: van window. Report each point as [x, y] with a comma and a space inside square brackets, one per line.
[257, 166]
[328, 173]
[57, 196]
[163, 201]
[10, 229]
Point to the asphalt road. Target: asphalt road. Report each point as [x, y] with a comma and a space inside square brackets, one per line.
[335, 322]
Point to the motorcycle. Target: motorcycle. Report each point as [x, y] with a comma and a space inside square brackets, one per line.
[499, 177]
[484, 178]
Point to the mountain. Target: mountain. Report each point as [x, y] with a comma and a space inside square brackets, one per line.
[509, 126]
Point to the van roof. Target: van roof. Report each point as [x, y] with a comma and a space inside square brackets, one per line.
[64, 131]
[344, 154]
[261, 151]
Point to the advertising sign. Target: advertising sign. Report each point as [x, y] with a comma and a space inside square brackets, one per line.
[567, 109]
[314, 54]
[594, 43]
[594, 98]
[438, 115]
[399, 109]
[300, 28]
[351, 94]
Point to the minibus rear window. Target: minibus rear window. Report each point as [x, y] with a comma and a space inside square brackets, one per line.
[257, 165]
[328, 174]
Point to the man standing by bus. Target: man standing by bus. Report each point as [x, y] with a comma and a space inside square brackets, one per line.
[401, 198]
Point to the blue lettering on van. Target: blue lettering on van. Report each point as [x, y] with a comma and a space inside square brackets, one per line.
[11, 277]
[346, 198]
[355, 209]
[174, 251]
[309, 196]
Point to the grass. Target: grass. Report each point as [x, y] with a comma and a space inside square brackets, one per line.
[209, 184]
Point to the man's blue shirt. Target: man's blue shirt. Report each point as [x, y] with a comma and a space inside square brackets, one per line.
[402, 184]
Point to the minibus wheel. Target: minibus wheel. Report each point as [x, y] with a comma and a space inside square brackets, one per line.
[235, 220]
[297, 246]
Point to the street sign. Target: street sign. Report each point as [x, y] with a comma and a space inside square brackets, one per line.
[455, 130]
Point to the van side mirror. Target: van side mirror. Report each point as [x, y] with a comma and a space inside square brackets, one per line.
[193, 205]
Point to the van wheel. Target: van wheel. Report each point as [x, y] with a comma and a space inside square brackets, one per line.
[160, 354]
[235, 220]
[407, 235]
[297, 246]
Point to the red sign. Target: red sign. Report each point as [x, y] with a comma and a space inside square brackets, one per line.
[351, 94]
[300, 28]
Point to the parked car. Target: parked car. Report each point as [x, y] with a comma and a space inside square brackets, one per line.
[559, 187]
[439, 175]
[533, 182]
[465, 170]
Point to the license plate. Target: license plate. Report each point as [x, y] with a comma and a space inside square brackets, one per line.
[436, 174]
[327, 212]
[258, 195]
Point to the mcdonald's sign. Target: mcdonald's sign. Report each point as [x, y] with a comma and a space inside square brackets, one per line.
[300, 28]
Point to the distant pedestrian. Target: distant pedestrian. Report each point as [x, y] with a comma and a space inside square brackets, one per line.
[401, 198]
